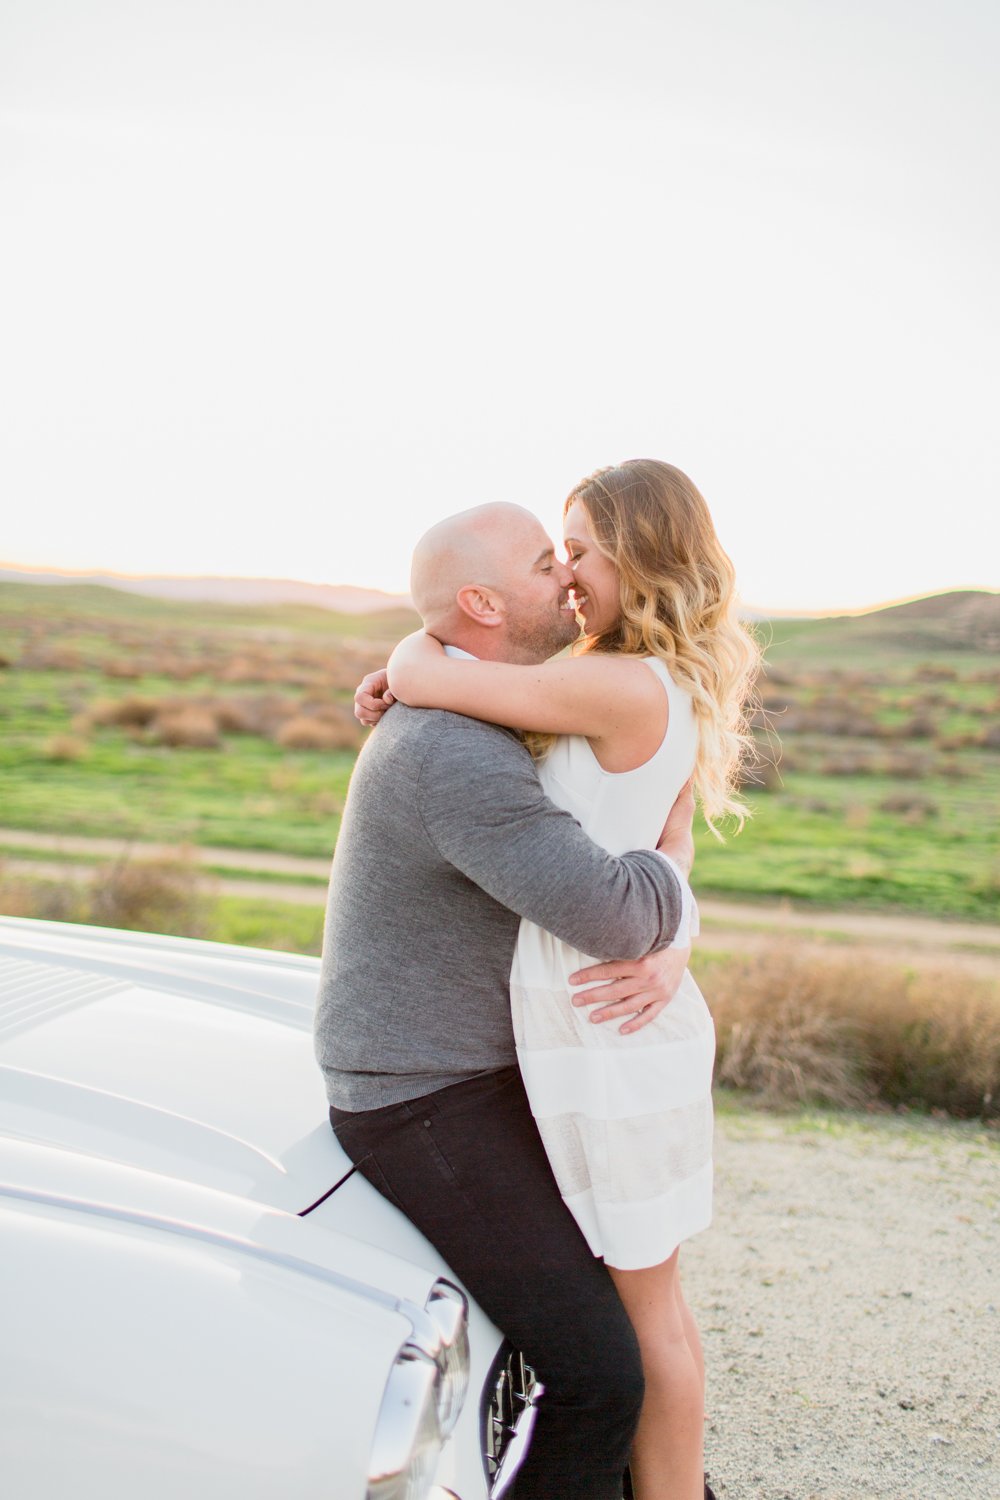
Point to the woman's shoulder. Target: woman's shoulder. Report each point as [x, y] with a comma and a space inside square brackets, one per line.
[660, 669]
[617, 668]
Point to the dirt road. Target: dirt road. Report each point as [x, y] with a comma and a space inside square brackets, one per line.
[849, 1302]
[725, 924]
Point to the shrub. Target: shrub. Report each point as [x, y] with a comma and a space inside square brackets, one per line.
[910, 806]
[190, 727]
[936, 1045]
[904, 767]
[144, 895]
[933, 671]
[791, 1056]
[149, 895]
[125, 670]
[800, 1024]
[856, 764]
[66, 747]
[304, 733]
[46, 900]
[920, 727]
[244, 669]
[970, 740]
[132, 712]
[235, 716]
[771, 710]
[178, 668]
[833, 720]
[254, 713]
[39, 656]
[777, 677]
[336, 715]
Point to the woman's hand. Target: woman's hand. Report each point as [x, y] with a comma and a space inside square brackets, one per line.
[372, 697]
[638, 990]
[408, 663]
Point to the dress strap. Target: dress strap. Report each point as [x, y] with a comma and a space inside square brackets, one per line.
[658, 665]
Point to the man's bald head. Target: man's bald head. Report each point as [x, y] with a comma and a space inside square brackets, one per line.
[487, 580]
[472, 548]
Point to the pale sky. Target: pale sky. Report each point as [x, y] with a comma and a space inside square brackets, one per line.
[286, 282]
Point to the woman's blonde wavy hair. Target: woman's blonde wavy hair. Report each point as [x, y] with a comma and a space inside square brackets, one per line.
[678, 602]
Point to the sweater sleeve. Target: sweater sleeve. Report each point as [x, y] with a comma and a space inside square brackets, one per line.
[483, 808]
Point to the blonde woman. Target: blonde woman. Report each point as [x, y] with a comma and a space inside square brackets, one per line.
[654, 695]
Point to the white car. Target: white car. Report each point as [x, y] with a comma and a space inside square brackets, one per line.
[199, 1295]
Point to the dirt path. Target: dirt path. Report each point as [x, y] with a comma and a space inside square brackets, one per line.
[848, 1296]
[725, 923]
[12, 839]
[975, 947]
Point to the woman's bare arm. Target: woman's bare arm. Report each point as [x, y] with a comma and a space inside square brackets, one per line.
[596, 696]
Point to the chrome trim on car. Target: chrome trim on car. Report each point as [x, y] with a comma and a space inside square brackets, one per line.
[448, 1308]
[511, 1399]
[407, 1437]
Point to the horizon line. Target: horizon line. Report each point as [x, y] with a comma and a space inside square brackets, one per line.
[404, 599]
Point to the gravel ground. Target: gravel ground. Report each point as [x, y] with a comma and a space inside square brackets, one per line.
[849, 1302]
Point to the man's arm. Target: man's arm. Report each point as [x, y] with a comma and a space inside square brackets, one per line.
[483, 808]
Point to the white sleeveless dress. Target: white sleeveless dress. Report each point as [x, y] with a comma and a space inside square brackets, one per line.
[626, 1120]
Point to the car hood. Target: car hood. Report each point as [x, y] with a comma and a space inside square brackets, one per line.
[191, 1061]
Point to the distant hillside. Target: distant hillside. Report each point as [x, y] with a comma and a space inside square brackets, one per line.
[73, 605]
[966, 617]
[343, 598]
[964, 620]
[953, 624]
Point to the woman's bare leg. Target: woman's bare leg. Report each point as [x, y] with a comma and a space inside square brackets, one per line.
[667, 1454]
[691, 1330]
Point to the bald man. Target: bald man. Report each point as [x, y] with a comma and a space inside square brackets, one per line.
[447, 842]
[487, 581]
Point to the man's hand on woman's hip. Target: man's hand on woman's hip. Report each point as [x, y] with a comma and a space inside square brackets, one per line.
[637, 990]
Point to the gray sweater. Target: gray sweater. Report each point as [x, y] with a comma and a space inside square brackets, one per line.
[447, 841]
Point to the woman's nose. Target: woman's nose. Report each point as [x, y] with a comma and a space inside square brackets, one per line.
[565, 575]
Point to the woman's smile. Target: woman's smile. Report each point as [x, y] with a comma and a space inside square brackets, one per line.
[595, 586]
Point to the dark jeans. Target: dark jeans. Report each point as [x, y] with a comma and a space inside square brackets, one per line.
[467, 1166]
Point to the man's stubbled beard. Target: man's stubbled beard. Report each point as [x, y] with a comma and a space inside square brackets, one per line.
[536, 640]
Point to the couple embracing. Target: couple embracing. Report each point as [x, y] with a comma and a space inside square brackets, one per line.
[515, 1054]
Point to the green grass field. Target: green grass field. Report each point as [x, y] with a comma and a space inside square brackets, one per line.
[250, 793]
[831, 841]
[153, 720]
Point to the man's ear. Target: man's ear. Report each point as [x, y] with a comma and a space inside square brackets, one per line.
[481, 604]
